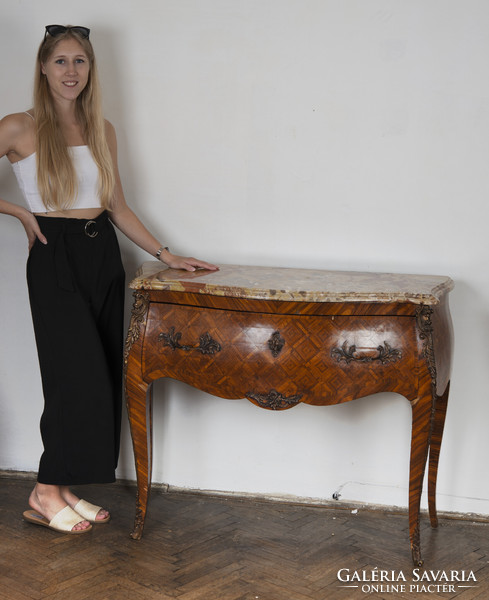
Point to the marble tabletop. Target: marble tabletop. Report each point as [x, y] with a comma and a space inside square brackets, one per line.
[291, 284]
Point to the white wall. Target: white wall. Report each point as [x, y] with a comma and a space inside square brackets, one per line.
[332, 134]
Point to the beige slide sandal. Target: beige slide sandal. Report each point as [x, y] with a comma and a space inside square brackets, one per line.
[63, 521]
[90, 511]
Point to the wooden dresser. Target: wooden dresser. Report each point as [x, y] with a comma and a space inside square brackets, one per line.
[283, 336]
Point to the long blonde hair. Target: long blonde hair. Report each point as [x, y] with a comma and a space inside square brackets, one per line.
[57, 180]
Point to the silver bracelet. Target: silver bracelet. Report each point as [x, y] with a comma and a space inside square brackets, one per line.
[160, 250]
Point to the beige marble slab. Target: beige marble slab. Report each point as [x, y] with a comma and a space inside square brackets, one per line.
[306, 285]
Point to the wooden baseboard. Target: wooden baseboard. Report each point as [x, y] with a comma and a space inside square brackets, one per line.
[274, 498]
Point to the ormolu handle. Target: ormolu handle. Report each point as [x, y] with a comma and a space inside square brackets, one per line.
[348, 353]
[206, 345]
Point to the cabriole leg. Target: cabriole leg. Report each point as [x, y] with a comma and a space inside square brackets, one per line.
[420, 435]
[441, 403]
[139, 407]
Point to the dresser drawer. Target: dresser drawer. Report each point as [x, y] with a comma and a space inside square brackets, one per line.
[277, 361]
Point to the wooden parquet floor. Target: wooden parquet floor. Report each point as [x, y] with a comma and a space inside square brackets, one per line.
[198, 547]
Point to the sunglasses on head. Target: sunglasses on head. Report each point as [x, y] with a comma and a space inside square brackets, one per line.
[55, 30]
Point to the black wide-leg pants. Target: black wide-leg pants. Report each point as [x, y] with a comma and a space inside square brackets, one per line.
[76, 289]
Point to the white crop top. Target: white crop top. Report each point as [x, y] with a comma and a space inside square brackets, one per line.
[85, 168]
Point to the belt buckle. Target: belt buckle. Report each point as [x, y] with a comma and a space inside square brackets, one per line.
[90, 234]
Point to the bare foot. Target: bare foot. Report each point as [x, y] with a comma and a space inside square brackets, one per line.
[72, 500]
[47, 501]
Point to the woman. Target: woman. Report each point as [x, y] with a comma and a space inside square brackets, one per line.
[64, 155]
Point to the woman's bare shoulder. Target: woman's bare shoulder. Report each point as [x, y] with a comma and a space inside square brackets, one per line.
[18, 122]
[17, 134]
[110, 136]
[109, 129]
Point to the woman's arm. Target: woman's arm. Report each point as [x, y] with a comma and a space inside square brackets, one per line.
[27, 219]
[15, 139]
[127, 222]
